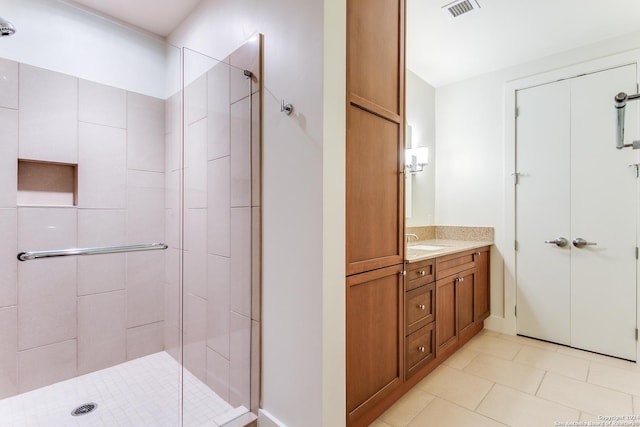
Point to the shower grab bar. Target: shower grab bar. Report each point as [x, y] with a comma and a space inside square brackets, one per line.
[26, 256]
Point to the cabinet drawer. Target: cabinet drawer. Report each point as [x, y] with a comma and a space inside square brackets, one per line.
[455, 263]
[419, 349]
[420, 305]
[420, 273]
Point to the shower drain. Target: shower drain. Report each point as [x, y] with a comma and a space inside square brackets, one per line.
[84, 409]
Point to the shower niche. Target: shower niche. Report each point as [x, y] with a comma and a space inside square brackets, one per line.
[47, 184]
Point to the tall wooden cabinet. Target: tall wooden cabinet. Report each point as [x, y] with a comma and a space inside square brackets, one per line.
[374, 202]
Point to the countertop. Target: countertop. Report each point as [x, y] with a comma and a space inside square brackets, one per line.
[447, 247]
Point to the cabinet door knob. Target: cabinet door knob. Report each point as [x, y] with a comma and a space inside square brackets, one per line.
[421, 349]
[421, 273]
[421, 306]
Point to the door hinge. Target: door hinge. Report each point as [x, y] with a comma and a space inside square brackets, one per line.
[515, 245]
[637, 252]
[517, 112]
[515, 311]
[516, 178]
[636, 334]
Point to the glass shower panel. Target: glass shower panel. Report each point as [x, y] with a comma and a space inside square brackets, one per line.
[217, 256]
[84, 164]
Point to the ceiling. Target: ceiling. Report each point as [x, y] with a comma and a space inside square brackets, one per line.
[156, 16]
[441, 49]
[503, 33]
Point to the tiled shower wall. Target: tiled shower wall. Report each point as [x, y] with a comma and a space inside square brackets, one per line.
[62, 317]
[222, 221]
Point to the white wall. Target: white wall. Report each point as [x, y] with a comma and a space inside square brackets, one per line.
[59, 37]
[421, 116]
[303, 250]
[471, 174]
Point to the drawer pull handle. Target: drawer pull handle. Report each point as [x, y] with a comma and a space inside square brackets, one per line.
[421, 273]
[421, 349]
[421, 306]
[460, 279]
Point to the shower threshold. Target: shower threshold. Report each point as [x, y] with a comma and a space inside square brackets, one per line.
[143, 392]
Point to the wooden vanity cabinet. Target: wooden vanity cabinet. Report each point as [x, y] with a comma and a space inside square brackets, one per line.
[375, 326]
[462, 295]
[419, 309]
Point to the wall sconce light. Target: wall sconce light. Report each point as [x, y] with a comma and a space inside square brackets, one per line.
[416, 159]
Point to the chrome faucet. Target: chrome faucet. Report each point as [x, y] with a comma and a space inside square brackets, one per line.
[415, 236]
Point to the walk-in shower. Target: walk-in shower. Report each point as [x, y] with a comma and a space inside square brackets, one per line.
[130, 214]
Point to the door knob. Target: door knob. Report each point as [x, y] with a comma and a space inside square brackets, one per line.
[560, 242]
[581, 243]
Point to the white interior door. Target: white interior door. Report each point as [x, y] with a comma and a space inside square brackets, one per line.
[603, 211]
[543, 212]
[575, 184]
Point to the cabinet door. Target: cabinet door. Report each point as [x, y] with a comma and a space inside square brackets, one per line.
[374, 337]
[446, 313]
[482, 283]
[465, 300]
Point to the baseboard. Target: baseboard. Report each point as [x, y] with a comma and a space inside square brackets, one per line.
[265, 419]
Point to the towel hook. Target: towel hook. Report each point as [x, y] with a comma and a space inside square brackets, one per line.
[286, 108]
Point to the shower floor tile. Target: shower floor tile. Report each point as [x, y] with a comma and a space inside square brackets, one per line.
[143, 392]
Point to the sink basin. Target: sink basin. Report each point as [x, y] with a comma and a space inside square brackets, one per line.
[426, 247]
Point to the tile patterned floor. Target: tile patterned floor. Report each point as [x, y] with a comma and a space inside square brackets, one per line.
[499, 380]
[140, 393]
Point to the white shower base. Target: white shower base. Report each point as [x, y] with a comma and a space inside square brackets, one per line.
[144, 392]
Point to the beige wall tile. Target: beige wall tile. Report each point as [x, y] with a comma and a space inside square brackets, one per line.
[195, 359]
[101, 331]
[145, 133]
[218, 308]
[8, 351]
[442, 413]
[218, 111]
[195, 179]
[145, 207]
[584, 396]
[195, 97]
[241, 153]
[48, 115]
[47, 302]
[514, 375]
[8, 157]
[195, 255]
[241, 227]
[554, 362]
[144, 340]
[145, 288]
[218, 374]
[46, 365]
[9, 84]
[104, 273]
[219, 212]
[8, 261]
[455, 386]
[102, 169]
[515, 408]
[101, 104]
[240, 361]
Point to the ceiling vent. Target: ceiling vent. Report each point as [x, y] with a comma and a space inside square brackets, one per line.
[460, 7]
